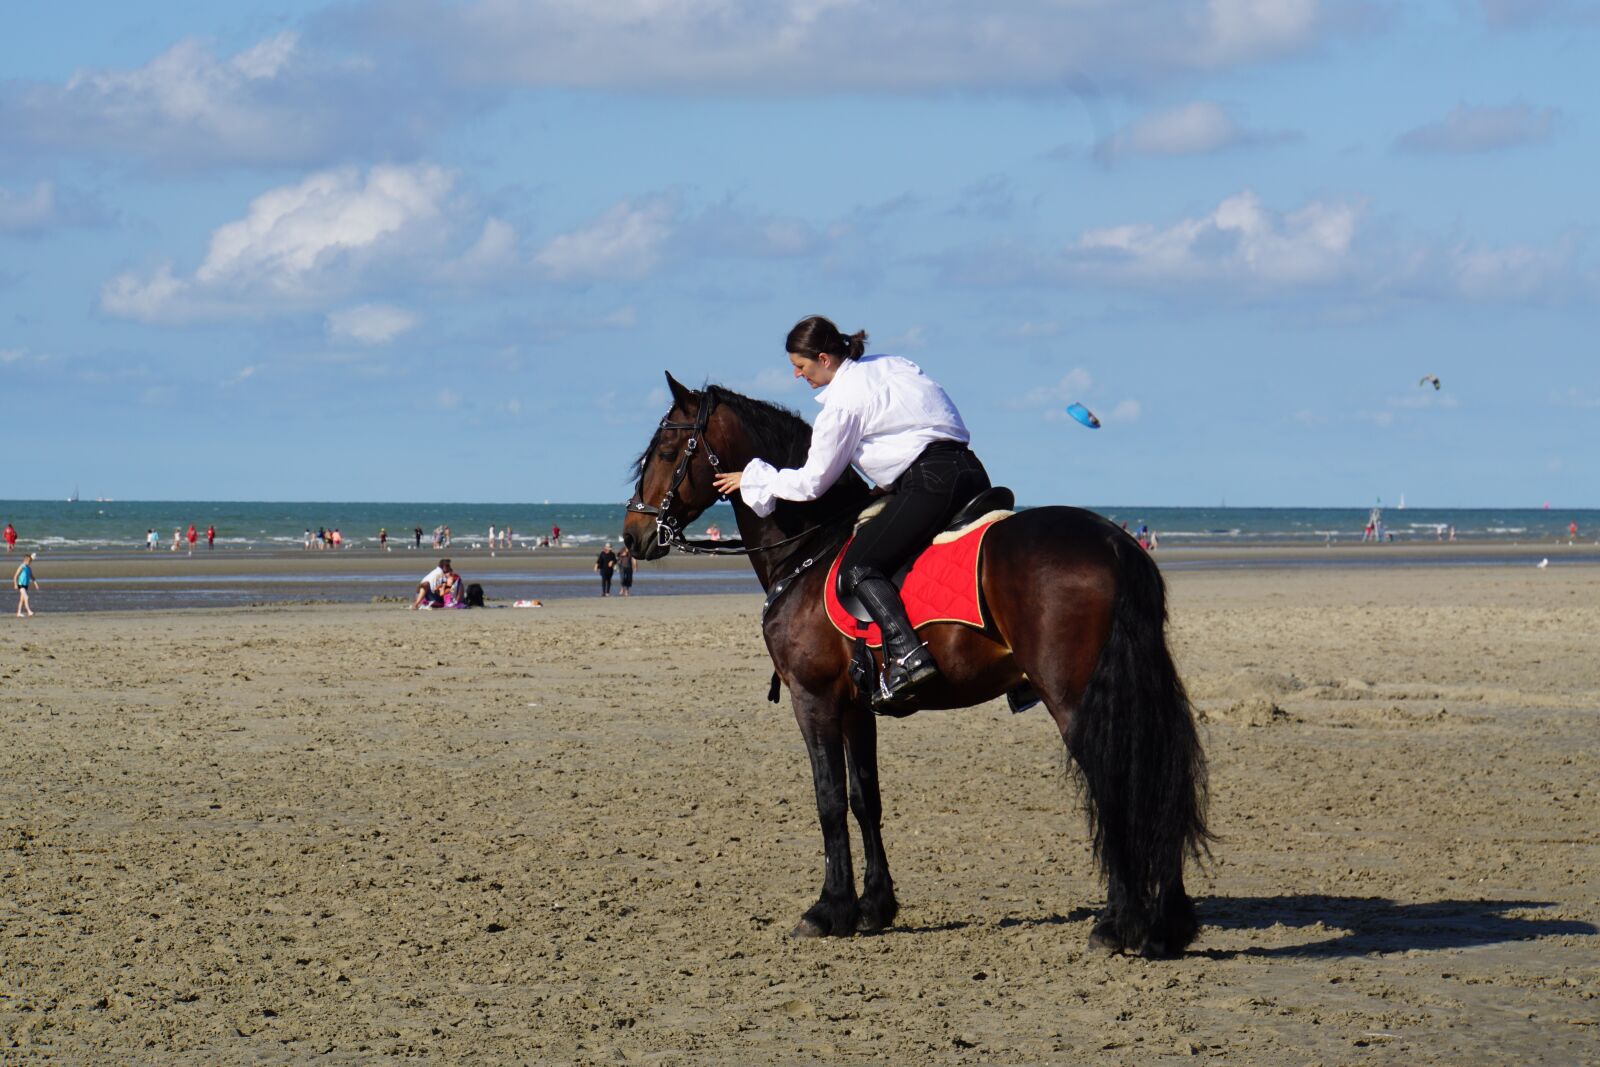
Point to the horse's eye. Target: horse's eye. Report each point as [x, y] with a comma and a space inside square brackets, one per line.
[668, 455]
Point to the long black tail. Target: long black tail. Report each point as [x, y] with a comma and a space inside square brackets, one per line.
[1134, 741]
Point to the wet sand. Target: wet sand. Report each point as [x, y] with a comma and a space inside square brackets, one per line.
[579, 834]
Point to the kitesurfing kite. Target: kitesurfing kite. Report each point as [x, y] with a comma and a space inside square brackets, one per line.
[1430, 379]
[1083, 415]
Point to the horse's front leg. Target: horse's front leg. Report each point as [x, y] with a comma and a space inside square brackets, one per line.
[878, 905]
[836, 912]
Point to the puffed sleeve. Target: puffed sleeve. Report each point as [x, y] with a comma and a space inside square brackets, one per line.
[834, 439]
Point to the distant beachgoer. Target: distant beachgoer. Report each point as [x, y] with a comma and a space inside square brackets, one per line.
[605, 563]
[507, 534]
[337, 538]
[322, 538]
[625, 570]
[383, 539]
[1572, 530]
[555, 535]
[193, 537]
[21, 582]
[307, 543]
[11, 538]
[1452, 533]
[417, 533]
[428, 590]
[492, 534]
[150, 540]
[211, 536]
[714, 532]
[177, 539]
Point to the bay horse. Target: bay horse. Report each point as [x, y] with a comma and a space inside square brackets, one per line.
[1077, 610]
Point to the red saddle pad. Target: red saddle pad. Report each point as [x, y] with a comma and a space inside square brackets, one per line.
[942, 586]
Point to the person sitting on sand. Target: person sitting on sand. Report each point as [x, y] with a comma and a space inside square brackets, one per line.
[428, 590]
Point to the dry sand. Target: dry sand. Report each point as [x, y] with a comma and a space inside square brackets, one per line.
[579, 834]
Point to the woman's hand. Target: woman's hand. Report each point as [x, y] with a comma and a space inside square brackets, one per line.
[727, 484]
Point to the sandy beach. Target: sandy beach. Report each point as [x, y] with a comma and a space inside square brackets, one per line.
[580, 834]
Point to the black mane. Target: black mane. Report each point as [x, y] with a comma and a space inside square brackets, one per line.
[781, 437]
[777, 434]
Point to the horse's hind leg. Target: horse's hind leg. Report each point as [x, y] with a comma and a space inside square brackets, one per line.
[836, 911]
[878, 905]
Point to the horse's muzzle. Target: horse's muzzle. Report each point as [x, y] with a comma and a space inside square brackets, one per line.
[643, 542]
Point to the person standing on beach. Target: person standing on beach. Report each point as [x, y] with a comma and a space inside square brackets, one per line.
[177, 539]
[625, 570]
[149, 540]
[383, 539]
[11, 538]
[193, 536]
[211, 536]
[21, 581]
[417, 532]
[605, 563]
[555, 536]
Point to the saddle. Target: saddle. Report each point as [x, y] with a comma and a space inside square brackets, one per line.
[987, 507]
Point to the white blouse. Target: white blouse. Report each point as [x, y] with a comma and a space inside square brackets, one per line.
[879, 413]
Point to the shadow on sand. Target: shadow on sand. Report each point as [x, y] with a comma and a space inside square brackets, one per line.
[1375, 925]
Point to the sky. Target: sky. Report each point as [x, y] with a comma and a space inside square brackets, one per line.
[418, 250]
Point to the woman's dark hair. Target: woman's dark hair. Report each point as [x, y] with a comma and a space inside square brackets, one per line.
[816, 335]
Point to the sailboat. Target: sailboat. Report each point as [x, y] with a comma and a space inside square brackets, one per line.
[1402, 505]
[73, 499]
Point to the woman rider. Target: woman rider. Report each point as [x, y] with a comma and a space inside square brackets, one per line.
[897, 426]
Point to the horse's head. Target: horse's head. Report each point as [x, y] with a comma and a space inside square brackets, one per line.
[675, 473]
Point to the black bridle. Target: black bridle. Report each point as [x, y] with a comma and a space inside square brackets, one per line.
[668, 529]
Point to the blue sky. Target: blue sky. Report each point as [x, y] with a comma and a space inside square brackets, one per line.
[416, 250]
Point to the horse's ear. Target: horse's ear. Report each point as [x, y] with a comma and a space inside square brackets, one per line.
[682, 395]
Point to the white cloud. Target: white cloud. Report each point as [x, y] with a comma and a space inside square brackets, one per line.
[244, 374]
[370, 324]
[1191, 129]
[1480, 129]
[1242, 243]
[871, 45]
[276, 103]
[302, 245]
[12, 355]
[624, 243]
[1053, 397]
[1125, 411]
[1320, 253]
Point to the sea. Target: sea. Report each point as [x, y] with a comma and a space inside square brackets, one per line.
[109, 529]
[122, 525]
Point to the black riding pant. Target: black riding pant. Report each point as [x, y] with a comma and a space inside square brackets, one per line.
[937, 484]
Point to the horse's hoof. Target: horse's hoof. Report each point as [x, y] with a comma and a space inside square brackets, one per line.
[807, 928]
[865, 925]
[1103, 938]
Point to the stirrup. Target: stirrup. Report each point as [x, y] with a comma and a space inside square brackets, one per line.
[899, 678]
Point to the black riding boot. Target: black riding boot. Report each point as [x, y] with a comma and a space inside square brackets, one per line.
[907, 663]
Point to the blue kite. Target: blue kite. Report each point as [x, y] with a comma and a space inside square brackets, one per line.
[1083, 415]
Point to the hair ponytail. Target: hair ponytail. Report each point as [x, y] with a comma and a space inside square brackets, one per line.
[816, 336]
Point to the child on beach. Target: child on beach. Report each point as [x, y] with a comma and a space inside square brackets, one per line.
[21, 582]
